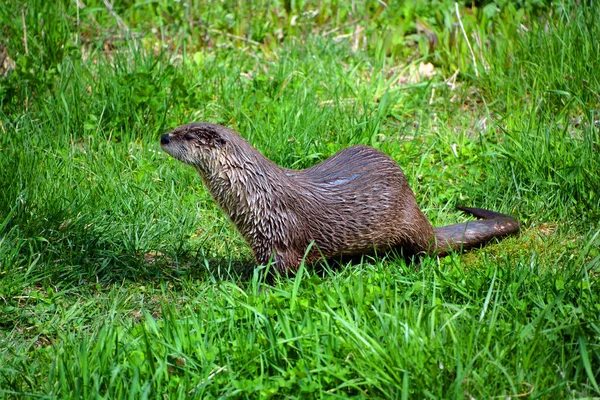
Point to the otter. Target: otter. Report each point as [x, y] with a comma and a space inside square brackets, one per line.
[353, 203]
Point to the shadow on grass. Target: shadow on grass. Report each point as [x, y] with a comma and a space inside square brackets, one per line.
[72, 248]
[67, 252]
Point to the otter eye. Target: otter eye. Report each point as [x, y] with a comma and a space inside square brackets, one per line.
[189, 136]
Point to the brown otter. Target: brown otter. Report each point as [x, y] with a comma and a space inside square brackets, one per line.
[354, 202]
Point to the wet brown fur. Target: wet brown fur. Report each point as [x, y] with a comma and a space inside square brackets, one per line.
[354, 202]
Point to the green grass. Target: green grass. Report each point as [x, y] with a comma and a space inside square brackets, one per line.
[120, 277]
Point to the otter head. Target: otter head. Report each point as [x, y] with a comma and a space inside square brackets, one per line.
[196, 144]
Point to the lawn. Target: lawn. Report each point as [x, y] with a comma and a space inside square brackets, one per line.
[121, 278]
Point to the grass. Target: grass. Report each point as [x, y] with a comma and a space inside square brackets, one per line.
[120, 277]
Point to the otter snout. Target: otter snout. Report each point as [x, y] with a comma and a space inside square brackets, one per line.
[165, 139]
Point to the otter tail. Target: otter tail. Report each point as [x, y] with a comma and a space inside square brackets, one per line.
[475, 233]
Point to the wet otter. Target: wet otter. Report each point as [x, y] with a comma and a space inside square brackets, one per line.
[354, 202]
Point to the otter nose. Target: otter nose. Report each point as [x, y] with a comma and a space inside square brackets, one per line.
[165, 139]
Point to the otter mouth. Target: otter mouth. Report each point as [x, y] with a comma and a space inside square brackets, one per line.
[169, 146]
[166, 142]
[173, 146]
[165, 139]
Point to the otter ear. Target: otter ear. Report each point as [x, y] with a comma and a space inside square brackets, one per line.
[213, 136]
